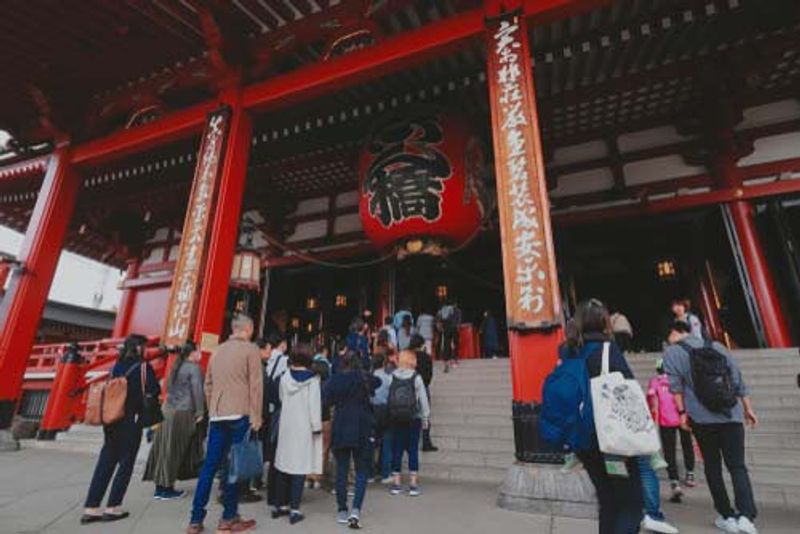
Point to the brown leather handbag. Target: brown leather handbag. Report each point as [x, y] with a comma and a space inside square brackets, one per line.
[105, 403]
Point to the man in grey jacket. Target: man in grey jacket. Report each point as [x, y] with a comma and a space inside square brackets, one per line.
[720, 434]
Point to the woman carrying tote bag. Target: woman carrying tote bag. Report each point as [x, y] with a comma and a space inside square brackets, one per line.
[617, 481]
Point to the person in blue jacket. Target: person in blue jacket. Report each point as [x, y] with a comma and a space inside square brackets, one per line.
[353, 433]
[357, 340]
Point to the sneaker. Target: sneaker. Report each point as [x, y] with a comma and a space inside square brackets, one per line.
[677, 492]
[386, 481]
[195, 528]
[170, 495]
[413, 491]
[430, 447]
[658, 525]
[727, 525]
[295, 517]
[316, 485]
[746, 526]
[395, 490]
[690, 481]
[354, 521]
[342, 517]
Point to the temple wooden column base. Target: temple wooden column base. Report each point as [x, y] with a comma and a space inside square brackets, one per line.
[545, 490]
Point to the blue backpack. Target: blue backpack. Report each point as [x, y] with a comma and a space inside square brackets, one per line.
[566, 419]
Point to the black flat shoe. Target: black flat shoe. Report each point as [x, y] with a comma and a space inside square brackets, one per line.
[110, 518]
[87, 519]
[278, 513]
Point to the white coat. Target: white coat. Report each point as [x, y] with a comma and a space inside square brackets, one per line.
[299, 435]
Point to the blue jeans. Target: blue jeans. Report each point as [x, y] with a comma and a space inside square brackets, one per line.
[362, 458]
[387, 449]
[651, 491]
[221, 435]
[120, 445]
[406, 439]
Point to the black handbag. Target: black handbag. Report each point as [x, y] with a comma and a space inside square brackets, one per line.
[151, 405]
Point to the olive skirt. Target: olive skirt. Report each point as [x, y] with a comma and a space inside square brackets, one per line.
[178, 449]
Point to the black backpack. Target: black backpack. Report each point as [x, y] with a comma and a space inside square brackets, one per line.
[402, 404]
[272, 389]
[712, 378]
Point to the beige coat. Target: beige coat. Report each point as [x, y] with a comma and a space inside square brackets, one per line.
[299, 439]
[234, 381]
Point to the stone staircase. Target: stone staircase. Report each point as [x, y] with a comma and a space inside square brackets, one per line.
[472, 423]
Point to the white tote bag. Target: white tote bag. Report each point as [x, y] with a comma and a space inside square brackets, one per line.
[623, 421]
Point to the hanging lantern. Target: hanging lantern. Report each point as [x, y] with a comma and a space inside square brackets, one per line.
[422, 178]
[246, 271]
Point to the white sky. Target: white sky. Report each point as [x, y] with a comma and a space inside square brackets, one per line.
[79, 280]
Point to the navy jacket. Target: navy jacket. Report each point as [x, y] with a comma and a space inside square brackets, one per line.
[353, 421]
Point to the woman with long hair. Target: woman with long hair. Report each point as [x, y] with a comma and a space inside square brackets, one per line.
[176, 443]
[353, 433]
[619, 497]
[122, 438]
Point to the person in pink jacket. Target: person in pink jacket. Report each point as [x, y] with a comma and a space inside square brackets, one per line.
[665, 413]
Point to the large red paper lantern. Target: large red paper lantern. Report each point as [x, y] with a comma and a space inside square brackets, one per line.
[422, 178]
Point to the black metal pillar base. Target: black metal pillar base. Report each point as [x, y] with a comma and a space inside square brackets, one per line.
[7, 409]
[47, 435]
[7, 440]
[528, 448]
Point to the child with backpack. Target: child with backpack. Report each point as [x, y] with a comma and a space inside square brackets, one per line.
[665, 414]
[408, 414]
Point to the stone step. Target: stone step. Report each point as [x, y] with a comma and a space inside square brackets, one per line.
[463, 473]
[458, 443]
[767, 440]
[503, 421]
[500, 459]
[466, 430]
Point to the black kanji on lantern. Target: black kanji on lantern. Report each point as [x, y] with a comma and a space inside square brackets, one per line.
[406, 178]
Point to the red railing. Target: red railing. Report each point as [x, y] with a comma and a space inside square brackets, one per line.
[72, 376]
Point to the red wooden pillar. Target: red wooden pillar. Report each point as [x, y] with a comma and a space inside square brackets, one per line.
[769, 306]
[743, 218]
[709, 304]
[127, 301]
[24, 301]
[225, 224]
[531, 285]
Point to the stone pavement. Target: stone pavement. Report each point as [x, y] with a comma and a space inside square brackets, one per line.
[42, 491]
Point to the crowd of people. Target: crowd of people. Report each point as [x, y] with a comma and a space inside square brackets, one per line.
[366, 405]
[697, 393]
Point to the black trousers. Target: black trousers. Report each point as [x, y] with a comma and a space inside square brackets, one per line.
[450, 343]
[725, 441]
[620, 498]
[117, 458]
[290, 490]
[276, 485]
[668, 442]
